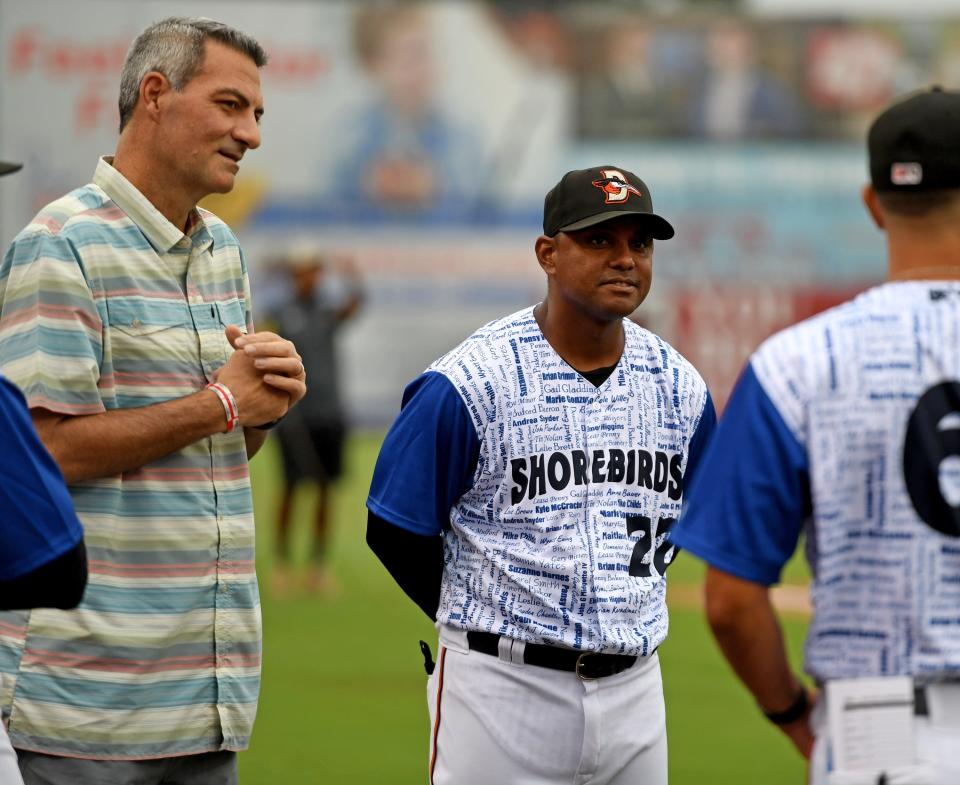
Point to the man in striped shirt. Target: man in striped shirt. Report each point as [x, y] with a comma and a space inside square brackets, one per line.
[125, 320]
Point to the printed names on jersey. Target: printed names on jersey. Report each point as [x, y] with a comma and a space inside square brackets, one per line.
[540, 547]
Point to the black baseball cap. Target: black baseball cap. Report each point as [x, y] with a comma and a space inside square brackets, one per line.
[8, 168]
[586, 197]
[914, 145]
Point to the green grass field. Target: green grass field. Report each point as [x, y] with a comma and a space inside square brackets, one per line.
[343, 696]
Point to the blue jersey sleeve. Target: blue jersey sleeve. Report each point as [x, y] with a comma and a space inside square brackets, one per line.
[700, 440]
[746, 505]
[37, 519]
[428, 459]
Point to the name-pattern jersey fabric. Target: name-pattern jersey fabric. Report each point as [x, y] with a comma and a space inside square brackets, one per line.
[555, 496]
[847, 424]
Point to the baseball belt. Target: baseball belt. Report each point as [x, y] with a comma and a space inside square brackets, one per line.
[586, 664]
[938, 700]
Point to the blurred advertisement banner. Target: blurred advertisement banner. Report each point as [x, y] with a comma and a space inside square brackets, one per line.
[373, 113]
[421, 138]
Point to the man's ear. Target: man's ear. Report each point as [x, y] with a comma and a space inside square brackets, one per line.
[153, 88]
[873, 205]
[546, 250]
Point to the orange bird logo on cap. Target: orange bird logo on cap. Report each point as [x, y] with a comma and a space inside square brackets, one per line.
[615, 186]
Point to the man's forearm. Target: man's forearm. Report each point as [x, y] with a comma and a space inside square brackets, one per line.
[101, 445]
[746, 627]
[748, 632]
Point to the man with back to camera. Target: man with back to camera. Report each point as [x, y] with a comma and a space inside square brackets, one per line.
[43, 562]
[844, 427]
[522, 499]
[123, 312]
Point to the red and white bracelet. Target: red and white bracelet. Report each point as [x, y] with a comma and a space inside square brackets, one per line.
[229, 404]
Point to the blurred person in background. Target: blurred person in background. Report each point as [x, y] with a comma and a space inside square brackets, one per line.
[123, 308]
[43, 561]
[405, 157]
[623, 94]
[845, 428]
[537, 30]
[312, 436]
[738, 97]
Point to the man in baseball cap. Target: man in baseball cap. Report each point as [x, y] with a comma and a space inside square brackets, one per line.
[586, 197]
[841, 428]
[521, 499]
[914, 145]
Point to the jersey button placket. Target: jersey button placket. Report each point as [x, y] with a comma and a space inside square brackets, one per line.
[594, 414]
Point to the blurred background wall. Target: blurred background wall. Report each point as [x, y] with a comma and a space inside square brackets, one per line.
[420, 139]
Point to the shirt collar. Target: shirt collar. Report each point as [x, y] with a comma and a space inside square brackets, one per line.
[161, 234]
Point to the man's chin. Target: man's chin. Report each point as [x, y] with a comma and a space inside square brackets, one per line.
[222, 185]
[626, 307]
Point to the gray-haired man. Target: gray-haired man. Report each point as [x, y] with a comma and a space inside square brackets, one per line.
[125, 319]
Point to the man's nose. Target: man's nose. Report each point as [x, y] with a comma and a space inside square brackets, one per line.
[623, 257]
[247, 131]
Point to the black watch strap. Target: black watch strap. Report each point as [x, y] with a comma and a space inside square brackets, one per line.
[268, 425]
[793, 712]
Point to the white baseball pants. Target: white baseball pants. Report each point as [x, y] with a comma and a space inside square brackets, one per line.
[494, 722]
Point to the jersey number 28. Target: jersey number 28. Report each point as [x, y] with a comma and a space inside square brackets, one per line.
[654, 548]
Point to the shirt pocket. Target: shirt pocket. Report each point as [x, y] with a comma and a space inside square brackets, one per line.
[152, 350]
[229, 312]
[138, 320]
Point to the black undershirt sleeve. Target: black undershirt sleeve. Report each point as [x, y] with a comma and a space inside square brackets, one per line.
[414, 560]
[57, 584]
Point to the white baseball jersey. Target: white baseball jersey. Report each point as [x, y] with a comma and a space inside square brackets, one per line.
[555, 496]
[848, 422]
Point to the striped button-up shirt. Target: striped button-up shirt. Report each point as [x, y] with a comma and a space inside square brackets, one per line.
[104, 304]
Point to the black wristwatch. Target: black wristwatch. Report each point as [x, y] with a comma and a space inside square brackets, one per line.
[793, 712]
[268, 425]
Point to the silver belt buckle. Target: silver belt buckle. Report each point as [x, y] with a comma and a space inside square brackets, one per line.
[577, 668]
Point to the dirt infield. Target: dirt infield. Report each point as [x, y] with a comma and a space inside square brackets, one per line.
[787, 598]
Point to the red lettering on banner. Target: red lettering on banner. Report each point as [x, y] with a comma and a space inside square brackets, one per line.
[93, 108]
[97, 66]
[29, 50]
[22, 48]
[295, 65]
[64, 57]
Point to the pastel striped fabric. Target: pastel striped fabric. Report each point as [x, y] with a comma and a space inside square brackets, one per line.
[104, 304]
